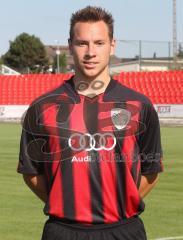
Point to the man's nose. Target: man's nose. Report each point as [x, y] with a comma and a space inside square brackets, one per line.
[91, 51]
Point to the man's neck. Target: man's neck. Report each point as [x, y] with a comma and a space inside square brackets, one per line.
[91, 87]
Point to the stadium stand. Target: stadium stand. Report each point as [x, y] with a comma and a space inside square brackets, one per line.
[160, 87]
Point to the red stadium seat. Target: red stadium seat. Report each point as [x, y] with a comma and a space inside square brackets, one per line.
[160, 87]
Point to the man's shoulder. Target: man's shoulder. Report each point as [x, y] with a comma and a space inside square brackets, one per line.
[121, 92]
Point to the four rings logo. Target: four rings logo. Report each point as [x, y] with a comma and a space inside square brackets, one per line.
[88, 142]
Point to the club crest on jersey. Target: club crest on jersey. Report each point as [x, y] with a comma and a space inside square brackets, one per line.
[120, 117]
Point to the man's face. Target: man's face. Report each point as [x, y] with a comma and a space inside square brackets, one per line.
[91, 48]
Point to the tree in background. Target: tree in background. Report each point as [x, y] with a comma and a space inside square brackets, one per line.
[62, 63]
[180, 51]
[1, 61]
[26, 54]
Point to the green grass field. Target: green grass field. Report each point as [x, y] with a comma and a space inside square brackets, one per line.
[21, 215]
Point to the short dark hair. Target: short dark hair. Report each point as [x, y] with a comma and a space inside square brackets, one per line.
[92, 14]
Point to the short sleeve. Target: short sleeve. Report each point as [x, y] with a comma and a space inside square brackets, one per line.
[31, 155]
[149, 141]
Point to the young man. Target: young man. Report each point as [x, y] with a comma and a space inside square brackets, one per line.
[91, 148]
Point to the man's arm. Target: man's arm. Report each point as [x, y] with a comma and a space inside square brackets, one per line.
[37, 184]
[147, 183]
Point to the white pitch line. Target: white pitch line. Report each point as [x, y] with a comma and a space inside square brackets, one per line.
[170, 238]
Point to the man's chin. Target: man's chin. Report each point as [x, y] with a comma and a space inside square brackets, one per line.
[90, 74]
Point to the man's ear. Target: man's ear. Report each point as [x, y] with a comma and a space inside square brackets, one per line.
[70, 45]
[113, 46]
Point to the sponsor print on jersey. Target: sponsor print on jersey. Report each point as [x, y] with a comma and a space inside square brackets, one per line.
[81, 159]
[80, 142]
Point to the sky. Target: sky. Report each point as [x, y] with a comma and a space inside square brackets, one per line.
[146, 20]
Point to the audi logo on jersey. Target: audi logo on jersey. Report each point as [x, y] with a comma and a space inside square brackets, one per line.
[88, 142]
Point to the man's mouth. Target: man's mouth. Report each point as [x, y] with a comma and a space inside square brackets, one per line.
[90, 65]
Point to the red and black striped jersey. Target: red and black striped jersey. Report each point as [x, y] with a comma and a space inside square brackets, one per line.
[92, 151]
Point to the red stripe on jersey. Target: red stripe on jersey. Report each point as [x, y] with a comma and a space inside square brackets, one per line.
[82, 196]
[128, 150]
[108, 175]
[55, 196]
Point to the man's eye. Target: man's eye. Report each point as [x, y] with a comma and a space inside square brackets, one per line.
[81, 44]
[100, 43]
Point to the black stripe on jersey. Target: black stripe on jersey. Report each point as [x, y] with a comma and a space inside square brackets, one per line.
[120, 168]
[66, 165]
[134, 170]
[90, 110]
[47, 163]
[48, 175]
